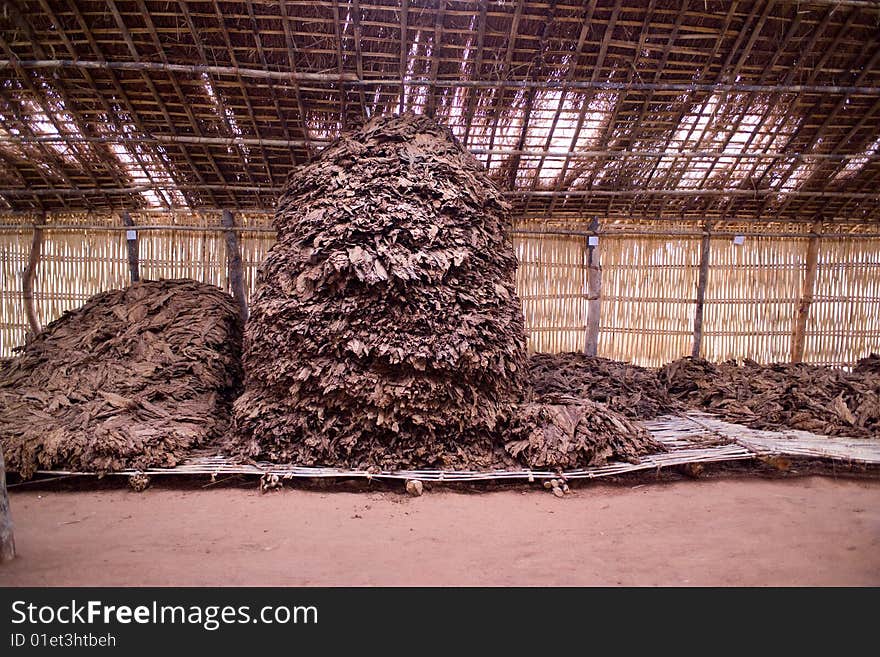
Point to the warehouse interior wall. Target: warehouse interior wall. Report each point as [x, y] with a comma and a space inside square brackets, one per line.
[648, 293]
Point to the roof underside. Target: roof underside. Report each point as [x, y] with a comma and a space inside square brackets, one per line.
[722, 110]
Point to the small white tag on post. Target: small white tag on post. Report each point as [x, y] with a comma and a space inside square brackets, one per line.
[739, 240]
[593, 240]
[131, 235]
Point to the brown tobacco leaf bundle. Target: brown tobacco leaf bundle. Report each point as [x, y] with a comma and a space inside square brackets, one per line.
[868, 365]
[688, 378]
[135, 378]
[811, 398]
[636, 392]
[562, 431]
[385, 330]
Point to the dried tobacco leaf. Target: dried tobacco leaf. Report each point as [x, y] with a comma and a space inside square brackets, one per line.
[636, 392]
[135, 378]
[811, 398]
[401, 342]
[386, 331]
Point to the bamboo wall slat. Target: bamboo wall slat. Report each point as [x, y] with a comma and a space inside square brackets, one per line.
[844, 321]
[172, 254]
[648, 286]
[254, 247]
[648, 297]
[14, 249]
[751, 298]
[551, 282]
[76, 266]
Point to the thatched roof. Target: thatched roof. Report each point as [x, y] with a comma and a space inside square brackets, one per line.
[643, 110]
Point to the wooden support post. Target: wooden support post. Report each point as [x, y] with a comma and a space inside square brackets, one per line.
[233, 263]
[594, 289]
[798, 336]
[30, 272]
[705, 246]
[7, 542]
[131, 239]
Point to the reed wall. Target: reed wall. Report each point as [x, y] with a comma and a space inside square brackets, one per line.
[648, 296]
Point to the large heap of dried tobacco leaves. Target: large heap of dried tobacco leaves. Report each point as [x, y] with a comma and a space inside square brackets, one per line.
[385, 330]
[818, 399]
[132, 379]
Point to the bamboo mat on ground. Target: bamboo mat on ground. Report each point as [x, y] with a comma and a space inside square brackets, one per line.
[793, 443]
[691, 438]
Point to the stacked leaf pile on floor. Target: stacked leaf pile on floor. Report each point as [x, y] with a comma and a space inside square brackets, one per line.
[559, 431]
[798, 396]
[134, 378]
[386, 331]
[636, 392]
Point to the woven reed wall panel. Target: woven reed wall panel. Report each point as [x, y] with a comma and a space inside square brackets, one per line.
[751, 298]
[648, 287]
[183, 254]
[14, 249]
[551, 282]
[844, 321]
[648, 297]
[75, 266]
[254, 247]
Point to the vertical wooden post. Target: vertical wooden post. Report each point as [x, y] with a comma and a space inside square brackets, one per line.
[7, 542]
[233, 263]
[705, 252]
[131, 239]
[30, 272]
[798, 336]
[594, 298]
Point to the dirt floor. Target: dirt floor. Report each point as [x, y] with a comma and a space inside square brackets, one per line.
[799, 531]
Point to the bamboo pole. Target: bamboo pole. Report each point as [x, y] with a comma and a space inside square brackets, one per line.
[611, 193]
[233, 263]
[524, 152]
[27, 286]
[798, 337]
[350, 79]
[504, 152]
[7, 541]
[131, 240]
[705, 245]
[194, 69]
[524, 194]
[585, 289]
[594, 287]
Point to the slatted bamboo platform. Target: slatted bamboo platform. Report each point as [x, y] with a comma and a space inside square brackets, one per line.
[793, 443]
[693, 437]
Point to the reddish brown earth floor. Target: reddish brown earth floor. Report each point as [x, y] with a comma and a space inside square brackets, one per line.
[723, 532]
